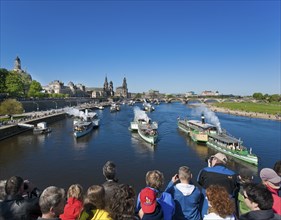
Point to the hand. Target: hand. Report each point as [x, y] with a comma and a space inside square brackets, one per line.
[175, 178]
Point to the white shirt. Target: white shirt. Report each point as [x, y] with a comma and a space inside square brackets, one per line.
[214, 216]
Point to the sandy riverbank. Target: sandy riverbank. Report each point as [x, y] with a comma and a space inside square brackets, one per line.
[243, 113]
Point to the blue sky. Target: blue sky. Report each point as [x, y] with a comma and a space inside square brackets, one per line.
[170, 46]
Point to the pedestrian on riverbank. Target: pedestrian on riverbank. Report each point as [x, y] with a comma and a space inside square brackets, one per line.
[74, 203]
[21, 201]
[187, 196]
[109, 171]
[221, 207]
[217, 174]
[150, 208]
[259, 199]
[245, 176]
[272, 182]
[52, 202]
[155, 181]
[94, 204]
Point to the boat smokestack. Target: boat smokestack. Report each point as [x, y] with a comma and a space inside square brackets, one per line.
[203, 118]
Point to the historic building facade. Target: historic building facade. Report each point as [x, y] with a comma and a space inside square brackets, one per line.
[122, 91]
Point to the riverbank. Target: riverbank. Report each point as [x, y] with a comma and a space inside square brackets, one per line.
[244, 113]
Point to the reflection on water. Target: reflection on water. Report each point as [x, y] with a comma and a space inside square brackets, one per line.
[60, 159]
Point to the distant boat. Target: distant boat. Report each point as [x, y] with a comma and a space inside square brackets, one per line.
[41, 128]
[87, 117]
[114, 107]
[82, 128]
[231, 146]
[148, 107]
[197, 130]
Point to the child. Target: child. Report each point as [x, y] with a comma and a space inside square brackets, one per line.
[150, 208]
[74, 203]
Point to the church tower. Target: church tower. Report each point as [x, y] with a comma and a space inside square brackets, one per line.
[105, 85]
[17, 66]
[125, 89]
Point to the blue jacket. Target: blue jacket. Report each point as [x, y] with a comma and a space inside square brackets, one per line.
[165, 200]
[217, 175]
[187, 199]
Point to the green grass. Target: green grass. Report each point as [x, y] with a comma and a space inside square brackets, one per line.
[252, 107]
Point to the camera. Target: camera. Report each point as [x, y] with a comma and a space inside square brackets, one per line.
[25, 185]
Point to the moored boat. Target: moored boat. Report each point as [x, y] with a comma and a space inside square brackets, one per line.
[232, 147]
[41, 128]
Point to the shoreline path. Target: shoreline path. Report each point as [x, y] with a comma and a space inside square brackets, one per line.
[244, 113]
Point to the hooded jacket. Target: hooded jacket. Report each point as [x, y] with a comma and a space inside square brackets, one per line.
[71, 209]
[260, 215]
[276, 200]
[187, 199]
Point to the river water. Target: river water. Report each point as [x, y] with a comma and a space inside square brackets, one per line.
[59, 159]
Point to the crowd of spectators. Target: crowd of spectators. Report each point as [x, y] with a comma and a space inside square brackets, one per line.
[219, 193]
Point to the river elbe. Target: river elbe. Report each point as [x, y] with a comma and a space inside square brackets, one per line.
[59, 159]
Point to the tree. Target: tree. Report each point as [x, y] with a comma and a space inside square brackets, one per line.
[14, 84]
[258, 96]
[274, 98]
[3, 76]
[35, 89]
[10, 107]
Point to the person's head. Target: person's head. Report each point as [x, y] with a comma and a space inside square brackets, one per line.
[14, 186]
[219, 201]
[75, 191]
[245, 175]
[185, 174]
[154, 179]
[148, 200]
[109, 170]
[218, 158]
[269, 177]
[277, 167]
[257, 196]
[122, 204]
[2, 190]
[95, 196]
[52, 201]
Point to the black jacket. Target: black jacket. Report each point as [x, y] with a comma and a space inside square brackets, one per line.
[20, 208]
[156, 215]
[260, 215]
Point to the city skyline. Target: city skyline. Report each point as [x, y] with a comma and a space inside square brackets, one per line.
[170, 46]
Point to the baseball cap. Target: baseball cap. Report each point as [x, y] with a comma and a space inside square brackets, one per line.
[221, 157]
[148, 200]
[270, 175]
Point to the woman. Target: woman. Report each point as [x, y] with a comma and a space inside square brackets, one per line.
[221, 207]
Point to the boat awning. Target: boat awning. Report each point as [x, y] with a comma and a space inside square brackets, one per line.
[225, 138]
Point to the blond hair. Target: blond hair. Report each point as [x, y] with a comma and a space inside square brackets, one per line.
[75, 191]
[154, 179]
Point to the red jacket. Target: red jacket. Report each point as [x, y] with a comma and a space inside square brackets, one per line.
[276, 200]
[72, 209]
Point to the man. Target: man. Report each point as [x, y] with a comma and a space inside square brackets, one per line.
[260, 201]
[52, 202]
[111, 183]
[272, 182]
[217, 174]
[187, 196]
[155, 181]
[21, 201]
